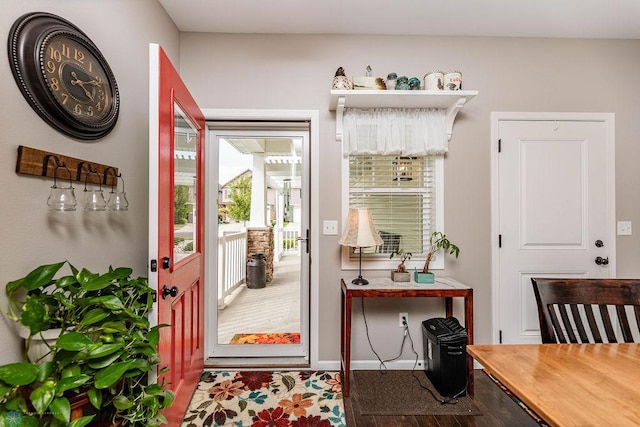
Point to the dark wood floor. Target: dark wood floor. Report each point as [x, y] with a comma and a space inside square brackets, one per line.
[497, 408]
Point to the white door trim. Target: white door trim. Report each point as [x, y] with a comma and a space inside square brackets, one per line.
[313, 117]
[496, 118]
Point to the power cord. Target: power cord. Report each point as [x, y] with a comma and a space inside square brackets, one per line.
[383, 367]
[452, 400]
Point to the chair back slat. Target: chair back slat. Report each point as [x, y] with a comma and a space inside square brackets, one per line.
[606, 320]
[636, 311]
[624, 323]
[577, 319]
[557, 323]
[593, 325]
[566, 323]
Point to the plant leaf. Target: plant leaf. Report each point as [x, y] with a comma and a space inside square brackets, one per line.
[71, 383]
[21, 373]
[109, 301]
[73, 341]
[34, 316]
[94, 282]
[95, 397]
[37, 278]
[122, 272]
[61, 409]
[111, 374]
[104, 361]
[81, 422]
[122, 403]
[94, 316]
[104, 350]
[42, 396]
[45, 370]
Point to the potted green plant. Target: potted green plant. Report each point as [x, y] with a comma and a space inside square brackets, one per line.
[437, 241]
[400, 274]
[105, 350]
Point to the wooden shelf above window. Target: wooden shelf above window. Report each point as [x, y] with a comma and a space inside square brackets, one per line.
[452, 101]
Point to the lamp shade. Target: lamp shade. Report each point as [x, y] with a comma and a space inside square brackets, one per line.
[360, 231]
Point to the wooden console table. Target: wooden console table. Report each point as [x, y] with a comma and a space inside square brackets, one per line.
[385, 288]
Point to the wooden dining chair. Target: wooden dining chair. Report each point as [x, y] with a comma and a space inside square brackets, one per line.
[566, 306]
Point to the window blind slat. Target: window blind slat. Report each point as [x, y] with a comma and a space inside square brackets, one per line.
[400, 191]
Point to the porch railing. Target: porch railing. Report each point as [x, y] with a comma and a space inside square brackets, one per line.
[287, 240]
[232, 250]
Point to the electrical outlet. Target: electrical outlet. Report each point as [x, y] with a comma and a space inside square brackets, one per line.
[404, 316]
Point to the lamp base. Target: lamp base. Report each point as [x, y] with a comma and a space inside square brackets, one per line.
[360, 281]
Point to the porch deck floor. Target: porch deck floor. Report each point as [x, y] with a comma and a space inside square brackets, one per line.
[274, 308]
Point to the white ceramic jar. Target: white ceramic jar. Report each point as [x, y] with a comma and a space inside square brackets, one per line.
[453, 80]
[433, 80]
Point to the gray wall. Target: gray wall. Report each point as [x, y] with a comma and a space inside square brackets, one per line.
[511, 74]
[295, 72]
[30, 235]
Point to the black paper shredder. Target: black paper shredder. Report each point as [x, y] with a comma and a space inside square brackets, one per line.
[445, 355]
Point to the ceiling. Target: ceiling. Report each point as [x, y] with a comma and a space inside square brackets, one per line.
[502, 18]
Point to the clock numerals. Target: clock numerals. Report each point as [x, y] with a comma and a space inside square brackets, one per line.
[55, 84]
[78, 56]
[51, 67]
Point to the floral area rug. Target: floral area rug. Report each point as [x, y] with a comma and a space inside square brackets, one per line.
[266, 398]
[271, 338]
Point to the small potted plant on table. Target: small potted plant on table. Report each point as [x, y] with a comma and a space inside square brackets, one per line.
[437, 241]
[400, 274]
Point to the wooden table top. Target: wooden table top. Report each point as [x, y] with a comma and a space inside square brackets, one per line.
[570, 384]
[382, 284]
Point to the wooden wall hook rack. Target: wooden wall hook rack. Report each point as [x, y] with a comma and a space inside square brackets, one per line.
[32, 161]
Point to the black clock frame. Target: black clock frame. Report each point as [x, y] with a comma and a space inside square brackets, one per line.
[27, 38]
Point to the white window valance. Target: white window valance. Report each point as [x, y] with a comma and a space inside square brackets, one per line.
[406, 131]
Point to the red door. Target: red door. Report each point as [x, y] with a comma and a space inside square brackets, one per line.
[176, 230]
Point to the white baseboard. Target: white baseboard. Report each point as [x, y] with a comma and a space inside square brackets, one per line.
[371, 365]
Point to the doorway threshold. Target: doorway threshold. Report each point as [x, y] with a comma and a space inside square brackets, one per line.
[257, 363]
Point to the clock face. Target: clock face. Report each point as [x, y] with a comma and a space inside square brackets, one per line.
[76, 79]
[63, 76]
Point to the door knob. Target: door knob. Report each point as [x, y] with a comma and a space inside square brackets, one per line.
[166, 291]
[602, 261]
[599, 243]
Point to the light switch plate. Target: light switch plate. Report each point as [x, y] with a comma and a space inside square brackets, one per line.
[330, 228]
[624, 228]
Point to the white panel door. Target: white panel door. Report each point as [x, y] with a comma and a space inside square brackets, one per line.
[556, 212]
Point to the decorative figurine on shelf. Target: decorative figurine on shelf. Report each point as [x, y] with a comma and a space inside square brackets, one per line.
[390, 84]
[368, 71]
[341, 81]
[368, 82]
[414, 83]
[402, 83]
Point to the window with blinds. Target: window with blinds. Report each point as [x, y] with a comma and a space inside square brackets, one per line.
[401, 193]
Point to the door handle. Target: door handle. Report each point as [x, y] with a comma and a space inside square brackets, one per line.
[166, 291]
[602, 261]
[305, 239]
[599, 243]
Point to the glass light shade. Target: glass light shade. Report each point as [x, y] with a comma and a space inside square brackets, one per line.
[94, 201]
[117, 201]
[62, 199]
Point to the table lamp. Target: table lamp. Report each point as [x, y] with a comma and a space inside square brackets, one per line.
[360, 233]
